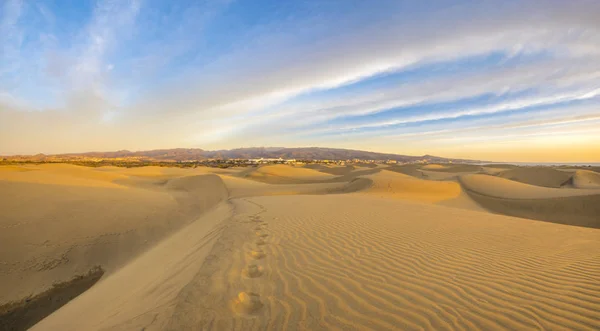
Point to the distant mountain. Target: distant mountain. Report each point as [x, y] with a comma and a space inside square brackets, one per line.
[188, 154]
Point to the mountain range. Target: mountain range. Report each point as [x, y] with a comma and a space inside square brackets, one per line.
[197, 154]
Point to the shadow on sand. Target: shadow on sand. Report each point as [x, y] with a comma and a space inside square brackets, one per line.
[22, 315]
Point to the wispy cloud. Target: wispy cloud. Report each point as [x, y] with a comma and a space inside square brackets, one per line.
[221, 74]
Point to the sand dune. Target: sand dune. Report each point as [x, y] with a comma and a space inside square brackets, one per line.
[455, 168]
[435, 171]
[564, 206]
[439, 175]
[60, 174]
[433, 166]
[140, 296]
[242, 187]
[413, 170]
[358, 262]
[336, 170]
[500, 166]
[283, 174]
[293, 248]
[586, 179]
[502, 188]
[540, 176]
[391, 184]
[50, 232]
[332, 170]
[492, 170]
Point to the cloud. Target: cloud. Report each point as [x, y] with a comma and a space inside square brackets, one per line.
[258, 73]
[11, 36]
[220, 74]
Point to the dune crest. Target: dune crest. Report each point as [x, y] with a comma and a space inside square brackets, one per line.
[569, 206]
[539, 176]
[392, 184]
[284, 174]
[586, 179]
[503, 188]
[54, 231]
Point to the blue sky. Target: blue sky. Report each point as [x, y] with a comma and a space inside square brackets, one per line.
[495, 80]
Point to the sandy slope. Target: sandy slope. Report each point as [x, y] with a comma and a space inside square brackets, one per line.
[570, 206]
[455, 168]
[59, 174]
[435, 171]
[284, 174]
[63, 220]
[433, 167]
[243, 187]
[413, 170]
[392, 184]
[140, 296]
[439, 175]
[357, 262]
[492, 170]
[586, 179]
[503, 188]
[540, 176]
[332, 169]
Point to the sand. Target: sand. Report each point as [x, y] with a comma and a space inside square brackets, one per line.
[295, 248]
[142, 294]
[284, 174]
[437, 172]
[540, 176]
[586, 179]
[434, 167]
[502, 188]
[571, 206]
[391, 184]
[455, 168]
[332, 169]
[360, 262]
[63, 220]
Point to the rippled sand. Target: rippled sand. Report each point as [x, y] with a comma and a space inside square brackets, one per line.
[297, 248]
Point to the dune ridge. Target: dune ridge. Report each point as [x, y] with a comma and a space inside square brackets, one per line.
[397, 185]
[332, 170]
[51, 232]
[456, 168]
[569, 206]
[586, 179]
[503, 188]
[539, 176]
[282, 174]
[141, 295]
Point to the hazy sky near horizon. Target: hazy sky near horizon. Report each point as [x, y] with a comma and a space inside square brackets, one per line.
[495, 80]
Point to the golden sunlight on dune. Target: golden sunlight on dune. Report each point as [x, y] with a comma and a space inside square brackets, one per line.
[299, 248]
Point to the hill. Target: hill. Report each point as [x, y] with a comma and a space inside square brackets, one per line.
[187, 154]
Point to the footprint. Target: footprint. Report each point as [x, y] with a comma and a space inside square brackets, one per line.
[260, 242]
[247, 303]
[257, 254]
[262, 235]
[258, 228]
[252, 271]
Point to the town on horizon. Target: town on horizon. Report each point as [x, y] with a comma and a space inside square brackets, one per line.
[190, 157]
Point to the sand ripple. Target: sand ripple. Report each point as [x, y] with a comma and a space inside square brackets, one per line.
[354, 263]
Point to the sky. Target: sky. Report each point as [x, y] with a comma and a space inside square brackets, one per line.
[489, 80]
